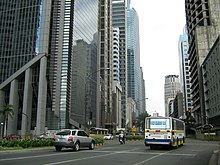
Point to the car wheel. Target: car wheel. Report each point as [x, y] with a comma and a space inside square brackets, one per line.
[77, 146]
[92, 146]
[58, 148]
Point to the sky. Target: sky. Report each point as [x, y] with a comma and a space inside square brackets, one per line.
[161, 23]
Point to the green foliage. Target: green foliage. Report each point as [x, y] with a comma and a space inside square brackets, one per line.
[8, 111]
[141, 119]
[136, 137]
[25, 143]
[28, 143]
[98, 139]
[212, 138]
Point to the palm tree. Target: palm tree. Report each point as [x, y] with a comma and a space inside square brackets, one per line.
[7, 112]
[141, 119]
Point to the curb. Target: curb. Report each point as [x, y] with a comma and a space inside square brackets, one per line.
[215, 158]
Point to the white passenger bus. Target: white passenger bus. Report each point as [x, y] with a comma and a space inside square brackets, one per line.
[164, 131]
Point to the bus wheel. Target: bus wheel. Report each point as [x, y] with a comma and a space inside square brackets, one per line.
[177, 144]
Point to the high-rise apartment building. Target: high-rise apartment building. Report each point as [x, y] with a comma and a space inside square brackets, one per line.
[184, 73]
[171, 88]
[116, 61]
[203, 27]
[119, 20]
[116, 114]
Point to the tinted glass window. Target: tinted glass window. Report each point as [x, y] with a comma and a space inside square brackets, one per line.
[66, 132]
[73, 132]
[82, 133]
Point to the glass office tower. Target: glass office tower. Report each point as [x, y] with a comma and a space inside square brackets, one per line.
[30, 28]
[85, 70]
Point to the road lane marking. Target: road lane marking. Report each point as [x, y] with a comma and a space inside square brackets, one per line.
[132, 151]
[91, 157]
[68, 161]
[145, 153]
[151, 158]
[29, 157]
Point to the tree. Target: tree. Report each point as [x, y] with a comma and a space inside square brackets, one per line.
[141, 120]
[7, 112]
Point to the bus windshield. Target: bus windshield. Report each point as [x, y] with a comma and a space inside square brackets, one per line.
[159, 123]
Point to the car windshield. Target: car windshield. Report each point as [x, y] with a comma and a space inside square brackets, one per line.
[66, 132]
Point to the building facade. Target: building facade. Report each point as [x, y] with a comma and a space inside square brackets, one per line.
[185, 73]
[39, 85]
[106, 75]
[134, 71]
[211, 84]
[85, 64]
[119, 20]
[202, 20]
[171, 88]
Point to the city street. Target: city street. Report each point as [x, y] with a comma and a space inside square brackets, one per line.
[194, 152]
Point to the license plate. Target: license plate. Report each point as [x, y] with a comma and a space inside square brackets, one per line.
[61, 139]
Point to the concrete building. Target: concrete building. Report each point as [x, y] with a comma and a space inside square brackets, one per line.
[211, 84]
[106, 59]
[178, 110]
[130, 113]
[203, 25]
[171, 88]
[116, 114]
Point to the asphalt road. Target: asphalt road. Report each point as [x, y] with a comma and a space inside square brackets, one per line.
[194, 152]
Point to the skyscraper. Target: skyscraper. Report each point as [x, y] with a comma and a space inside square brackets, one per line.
[184, 72]
[85, 64]
[40, 40]
[171, 88]
[106, 76]
[119, 20]
[134, 71]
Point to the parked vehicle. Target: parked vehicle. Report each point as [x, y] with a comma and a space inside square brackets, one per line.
[108, 137]
[73, 138]
[48, 135]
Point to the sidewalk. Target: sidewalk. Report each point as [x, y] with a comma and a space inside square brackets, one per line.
[215, 158]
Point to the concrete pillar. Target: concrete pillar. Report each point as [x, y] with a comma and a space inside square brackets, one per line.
[27, 103]
[13, 100]
[43, 49]
[42, 97]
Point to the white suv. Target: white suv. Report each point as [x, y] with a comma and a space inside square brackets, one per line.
[73, 138]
